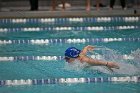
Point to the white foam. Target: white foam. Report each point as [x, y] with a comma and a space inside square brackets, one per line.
[103, 69]
[76, 66]
[127, 69]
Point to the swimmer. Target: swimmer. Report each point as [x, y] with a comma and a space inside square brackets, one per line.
[72, 53]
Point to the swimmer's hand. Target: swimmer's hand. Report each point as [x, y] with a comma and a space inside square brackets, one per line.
[90, 48]
[112, 65]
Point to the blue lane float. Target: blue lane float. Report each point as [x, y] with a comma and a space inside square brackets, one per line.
[71, 20]
[70, 41]
[53, 58]
[135, 79]
[68, 28]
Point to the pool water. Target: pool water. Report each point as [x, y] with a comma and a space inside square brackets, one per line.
[31, 42]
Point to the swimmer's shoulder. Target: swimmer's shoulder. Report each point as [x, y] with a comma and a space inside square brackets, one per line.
[82, 57]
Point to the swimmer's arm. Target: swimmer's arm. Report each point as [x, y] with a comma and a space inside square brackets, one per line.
[86, 49]
[96, 62]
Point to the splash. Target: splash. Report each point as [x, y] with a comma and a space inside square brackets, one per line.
[127, 67]
[136, 55]
[76, 66]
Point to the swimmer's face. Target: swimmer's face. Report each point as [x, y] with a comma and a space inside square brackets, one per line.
[69, 60]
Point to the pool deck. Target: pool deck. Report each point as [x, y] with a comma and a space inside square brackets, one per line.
[19, 13]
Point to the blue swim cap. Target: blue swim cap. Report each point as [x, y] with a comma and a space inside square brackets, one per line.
[72, 52]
